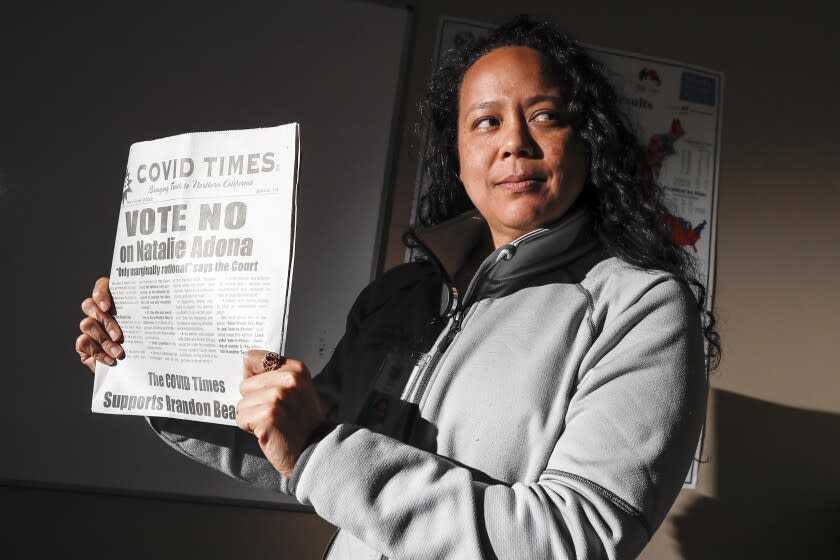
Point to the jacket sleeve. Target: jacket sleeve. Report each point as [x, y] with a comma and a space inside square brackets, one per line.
[236, 453]
[631, 430]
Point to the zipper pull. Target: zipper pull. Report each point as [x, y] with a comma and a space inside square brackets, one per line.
[454, 301]
[450, 335]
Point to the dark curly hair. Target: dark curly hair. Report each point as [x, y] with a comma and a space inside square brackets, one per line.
[627, 203]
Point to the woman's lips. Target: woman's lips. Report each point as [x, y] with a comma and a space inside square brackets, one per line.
[519, 183]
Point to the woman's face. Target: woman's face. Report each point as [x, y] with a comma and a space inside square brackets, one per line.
[521, 163]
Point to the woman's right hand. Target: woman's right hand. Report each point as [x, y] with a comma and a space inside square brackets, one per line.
[101, 334]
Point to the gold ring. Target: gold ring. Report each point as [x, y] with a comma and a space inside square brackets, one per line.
[272, 361]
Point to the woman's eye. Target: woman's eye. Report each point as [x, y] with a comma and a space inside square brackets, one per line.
[554, 119]
[486, 122]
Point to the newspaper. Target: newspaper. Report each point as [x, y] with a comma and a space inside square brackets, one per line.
[202, 269]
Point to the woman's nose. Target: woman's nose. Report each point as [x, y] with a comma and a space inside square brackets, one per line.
[517, 140]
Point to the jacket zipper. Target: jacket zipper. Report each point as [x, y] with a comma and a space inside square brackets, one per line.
[451, 311]
[457, 312]
[454, 327]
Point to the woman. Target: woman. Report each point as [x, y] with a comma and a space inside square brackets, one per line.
[536, 389]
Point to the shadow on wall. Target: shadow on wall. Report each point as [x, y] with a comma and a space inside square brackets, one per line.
[778, 473]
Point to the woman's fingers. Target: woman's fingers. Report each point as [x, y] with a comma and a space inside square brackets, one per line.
[102, 295]
[252, 363]
[90, 352]
[279, 379]
[100, 331]
[109, 324]
[255, 412]
[94, 330]
[289, 374]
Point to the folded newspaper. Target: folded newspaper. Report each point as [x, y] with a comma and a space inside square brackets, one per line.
[202, 269]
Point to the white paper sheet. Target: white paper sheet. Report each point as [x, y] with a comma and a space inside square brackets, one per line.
[202, 269]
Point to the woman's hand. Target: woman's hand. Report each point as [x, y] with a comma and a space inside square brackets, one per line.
[280, 407]
[101, 334]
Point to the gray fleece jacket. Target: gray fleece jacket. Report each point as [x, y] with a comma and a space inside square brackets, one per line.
[550, 411]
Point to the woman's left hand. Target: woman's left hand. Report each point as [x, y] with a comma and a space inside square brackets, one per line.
[279, 406]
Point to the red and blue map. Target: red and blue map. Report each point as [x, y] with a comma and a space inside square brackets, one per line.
[661, 146]
[683, 232]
